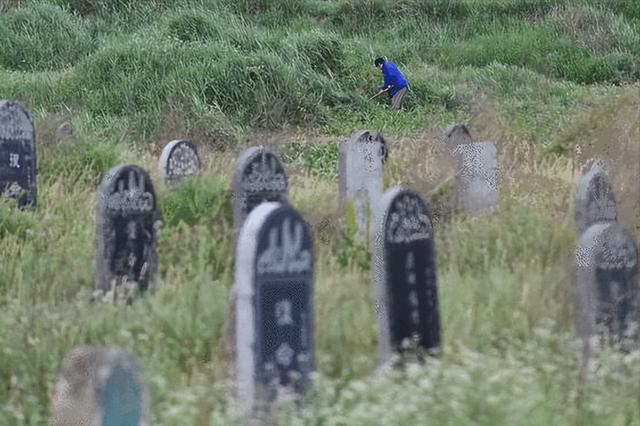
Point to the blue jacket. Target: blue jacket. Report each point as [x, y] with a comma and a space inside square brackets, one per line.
[392, 77]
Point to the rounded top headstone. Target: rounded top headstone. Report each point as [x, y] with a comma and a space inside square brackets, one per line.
[405, 217]
[259, 177]
[456, 134]
[179, 159]
[126, 189]
[15, 122]
[595, 201]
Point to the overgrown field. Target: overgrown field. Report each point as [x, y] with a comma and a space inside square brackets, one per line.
[553, 82]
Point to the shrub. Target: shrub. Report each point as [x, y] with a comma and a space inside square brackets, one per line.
[42, 37]
[322, 50]
[197, 200]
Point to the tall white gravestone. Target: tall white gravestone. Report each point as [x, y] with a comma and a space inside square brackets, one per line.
[360, 163]
[477, 170]
[274, 312]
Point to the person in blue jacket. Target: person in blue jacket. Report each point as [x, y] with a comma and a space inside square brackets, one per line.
[394, 82]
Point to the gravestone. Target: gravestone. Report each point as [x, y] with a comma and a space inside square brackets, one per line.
[259, 177]
[65, 134]
[125, 234]
[595, 201]
[179, 159]
[274, 306]
[99, 387]
[405, 279]
[17, 154]
[606, 293]
[477, 170]
[360, 163]
[456, 134]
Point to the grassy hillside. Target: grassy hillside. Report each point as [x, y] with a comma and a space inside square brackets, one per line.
[553, 82]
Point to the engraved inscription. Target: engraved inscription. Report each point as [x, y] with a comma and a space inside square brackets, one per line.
[288, 256]
[408, 221]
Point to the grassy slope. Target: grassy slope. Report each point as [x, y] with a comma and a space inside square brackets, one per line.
[540, 77]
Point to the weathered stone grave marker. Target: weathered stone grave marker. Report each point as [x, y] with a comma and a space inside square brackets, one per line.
[125, 234]
[17, 154]
[360, 163]
[259, 177]
[595, 201]
[274, 312]
[477, 170]
[179, 159]
[606, 294]
[405, 279]
[99, 387]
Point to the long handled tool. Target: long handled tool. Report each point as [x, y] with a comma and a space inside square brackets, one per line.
[380, 93]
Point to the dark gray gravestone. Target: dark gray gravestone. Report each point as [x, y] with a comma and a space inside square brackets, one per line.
[17, 154]
[126, 226]
[595, 201]
[607, 283]
[274, 311]
[405, 280]
[360, 164]
[259, 177]
[179, 159]
[100, 387]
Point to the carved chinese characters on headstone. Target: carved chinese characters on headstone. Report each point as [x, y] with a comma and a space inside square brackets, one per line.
[179, 159]
[607, 301]
[99, 387]
[404, 268]
[126, 227]
[477, 170]
[17, 154]
[274, 312]
[595, 201]
[360, 176]
[259, 177]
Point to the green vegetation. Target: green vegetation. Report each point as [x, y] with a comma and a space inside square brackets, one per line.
[553, 81]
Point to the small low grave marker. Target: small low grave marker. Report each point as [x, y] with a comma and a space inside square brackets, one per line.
[259, 177]
[274, 311]
[477, 174]
[125, 234]
[405, 280]
[179, 159]
[99, 387]
[606, 296]
[360, 163]
[17, 154]
[595, 201]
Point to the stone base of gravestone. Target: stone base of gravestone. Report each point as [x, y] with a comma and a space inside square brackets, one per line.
[607, 300]
[99, 387]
